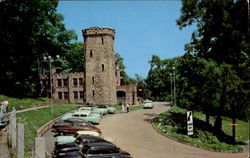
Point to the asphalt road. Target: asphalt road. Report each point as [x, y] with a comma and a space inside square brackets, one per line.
[134, 133]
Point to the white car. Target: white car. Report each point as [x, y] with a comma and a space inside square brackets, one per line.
[92, 133]
[148, 104]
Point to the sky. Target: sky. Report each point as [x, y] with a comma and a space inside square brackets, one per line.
[143, 28]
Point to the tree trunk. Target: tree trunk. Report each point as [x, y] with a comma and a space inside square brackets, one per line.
[218, 124]
[233, 129]
[234, 121]
[218, 121]
[207, 118]
[207, 115]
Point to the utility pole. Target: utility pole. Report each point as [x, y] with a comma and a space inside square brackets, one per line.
[171, 87]
[51, 60]
[174, 87]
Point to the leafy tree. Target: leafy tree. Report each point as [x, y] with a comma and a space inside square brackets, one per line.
[125, 79]
[189, 82]
[74, 57]
[221, 35]
[209, 91]
[28, 31]
[158, 79]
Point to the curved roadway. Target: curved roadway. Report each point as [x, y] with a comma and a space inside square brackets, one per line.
[134, 133]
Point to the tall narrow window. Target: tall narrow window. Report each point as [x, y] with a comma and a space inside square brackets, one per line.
[59, 95]
[80, 81]
[59, 82]
[93, 80]
[75, 81]
[91, 53]
[93, 93]
[65, 82]
[81, 94]
[102, 41]
[66, 95]
[102, 67]
[75, 95]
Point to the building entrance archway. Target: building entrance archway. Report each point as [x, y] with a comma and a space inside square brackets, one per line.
[121, 97]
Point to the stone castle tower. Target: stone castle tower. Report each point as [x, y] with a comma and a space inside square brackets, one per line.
[99, 66]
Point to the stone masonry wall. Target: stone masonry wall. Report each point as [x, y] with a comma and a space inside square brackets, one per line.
[68, 87]
[131, 93]
[99, 66]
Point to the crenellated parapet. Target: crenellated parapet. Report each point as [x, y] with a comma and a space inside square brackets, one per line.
[96, 31]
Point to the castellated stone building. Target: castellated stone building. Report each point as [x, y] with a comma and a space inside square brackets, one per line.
[100, 81]
[99, 66]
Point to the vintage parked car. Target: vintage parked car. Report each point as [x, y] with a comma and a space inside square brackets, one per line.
[102, 149]
[111, 109]
[148, 104]
[85, 139]
[91, 133]
[3, 120]
[92, 110]
[64, 139]
[61, 148]
[101, 109]
[72, 154]
[86, 108]
[88, 116]
[83, 115]
[65, 147]
[73, 127]
[60, 122]
[106, 109]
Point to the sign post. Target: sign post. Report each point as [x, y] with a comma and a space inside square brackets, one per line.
[190, 128]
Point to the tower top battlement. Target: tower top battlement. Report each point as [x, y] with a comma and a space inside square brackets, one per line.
[97, 31]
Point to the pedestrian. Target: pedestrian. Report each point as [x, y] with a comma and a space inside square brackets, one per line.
[4, 106]
[127, 107]
[123, 108]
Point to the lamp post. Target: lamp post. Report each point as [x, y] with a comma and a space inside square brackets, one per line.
[171, 87]
[50, 60]
[174, 87]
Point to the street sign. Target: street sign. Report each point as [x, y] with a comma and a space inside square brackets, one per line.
[190, 129]
[233, 124]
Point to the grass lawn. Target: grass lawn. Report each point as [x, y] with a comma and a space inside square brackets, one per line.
[23, 103]
[136, 107]
[33, 120]
[173, 123]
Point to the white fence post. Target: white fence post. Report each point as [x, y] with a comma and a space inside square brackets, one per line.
[20, 138]
[39, 147]
[14, 129]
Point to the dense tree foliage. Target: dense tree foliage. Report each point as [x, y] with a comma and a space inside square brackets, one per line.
[222, 32]
[73, 60]
[223, 37]
[29, 30]
[214, 74]
[125, 79]
[158, 80]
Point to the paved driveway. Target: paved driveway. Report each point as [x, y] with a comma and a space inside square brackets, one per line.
[134, 133]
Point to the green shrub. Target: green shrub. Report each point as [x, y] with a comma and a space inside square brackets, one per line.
[173, 123]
